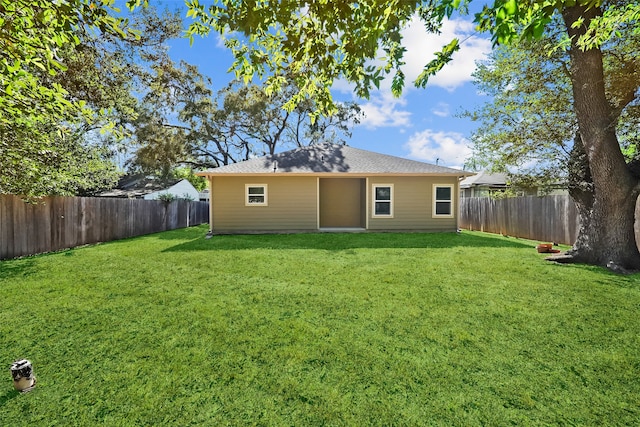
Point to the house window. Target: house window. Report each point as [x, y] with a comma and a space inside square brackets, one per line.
[256, 195]
[383, 200]
[443, 200]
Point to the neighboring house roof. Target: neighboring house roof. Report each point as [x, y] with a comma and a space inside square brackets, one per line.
[332, 159]
[137, 186]
[485, 179]
[182, 189]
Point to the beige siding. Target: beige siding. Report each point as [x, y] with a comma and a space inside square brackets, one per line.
[291, 204]
[413, 204]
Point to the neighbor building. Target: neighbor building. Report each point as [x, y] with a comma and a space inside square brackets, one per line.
[152, 188]
[483, 184]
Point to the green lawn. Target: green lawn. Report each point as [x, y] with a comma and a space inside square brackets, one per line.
[318, 329]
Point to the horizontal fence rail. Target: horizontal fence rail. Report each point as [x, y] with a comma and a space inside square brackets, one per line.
[55, 223]
[547, 219]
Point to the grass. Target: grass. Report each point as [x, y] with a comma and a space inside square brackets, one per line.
[318, 329]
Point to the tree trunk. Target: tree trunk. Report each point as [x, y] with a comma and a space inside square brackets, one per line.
[580, 186]
[608, 239]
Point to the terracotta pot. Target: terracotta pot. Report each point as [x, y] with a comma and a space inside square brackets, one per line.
[544, 247]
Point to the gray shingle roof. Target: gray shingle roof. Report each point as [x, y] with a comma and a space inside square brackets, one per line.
[332, 158]
[136, 186]
[484, 178]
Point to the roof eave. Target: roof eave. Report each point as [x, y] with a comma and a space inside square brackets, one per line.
[334, 174]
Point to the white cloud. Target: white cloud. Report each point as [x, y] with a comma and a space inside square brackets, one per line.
[221, 39]
[421, 47]
[441, 110]
[383, 110]
[448, 149]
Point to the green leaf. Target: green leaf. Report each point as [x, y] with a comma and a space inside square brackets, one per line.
[442, 58]
[538, 29]
[511, 7]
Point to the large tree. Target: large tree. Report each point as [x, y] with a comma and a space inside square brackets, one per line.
[528, 125]
[184, 122]
[610, 241]
[108, 73]
[32, 35]
[88, 65]
[323, 41]
[37, 154]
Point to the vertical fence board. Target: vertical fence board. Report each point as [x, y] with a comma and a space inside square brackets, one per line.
[38, 229]
[56, 223]
[87, 231]
[636, 226]
[19, 234]
[56, 216]
[6, 232]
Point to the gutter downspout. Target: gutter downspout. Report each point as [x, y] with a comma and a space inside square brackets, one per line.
[210, 179]
[460, 178]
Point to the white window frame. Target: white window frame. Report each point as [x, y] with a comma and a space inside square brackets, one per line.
[436, 201]
[247, 195]
[375, 200]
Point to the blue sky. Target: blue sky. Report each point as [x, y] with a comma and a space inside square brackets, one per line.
[421, 124]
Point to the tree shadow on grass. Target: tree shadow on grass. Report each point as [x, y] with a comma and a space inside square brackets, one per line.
[9, 395]
[341, 241]
[17, 267]
[188, 233]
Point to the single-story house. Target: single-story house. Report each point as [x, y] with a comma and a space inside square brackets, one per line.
[204, 195]
[483, 184]
[182, 189]
[330, 187]
[150, 188]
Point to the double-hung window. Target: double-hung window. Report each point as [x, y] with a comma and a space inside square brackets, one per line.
[255, 195]
[443, 200]
[383, 200]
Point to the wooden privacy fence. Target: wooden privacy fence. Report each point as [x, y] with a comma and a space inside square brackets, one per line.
[547, 219]
[55, 223]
